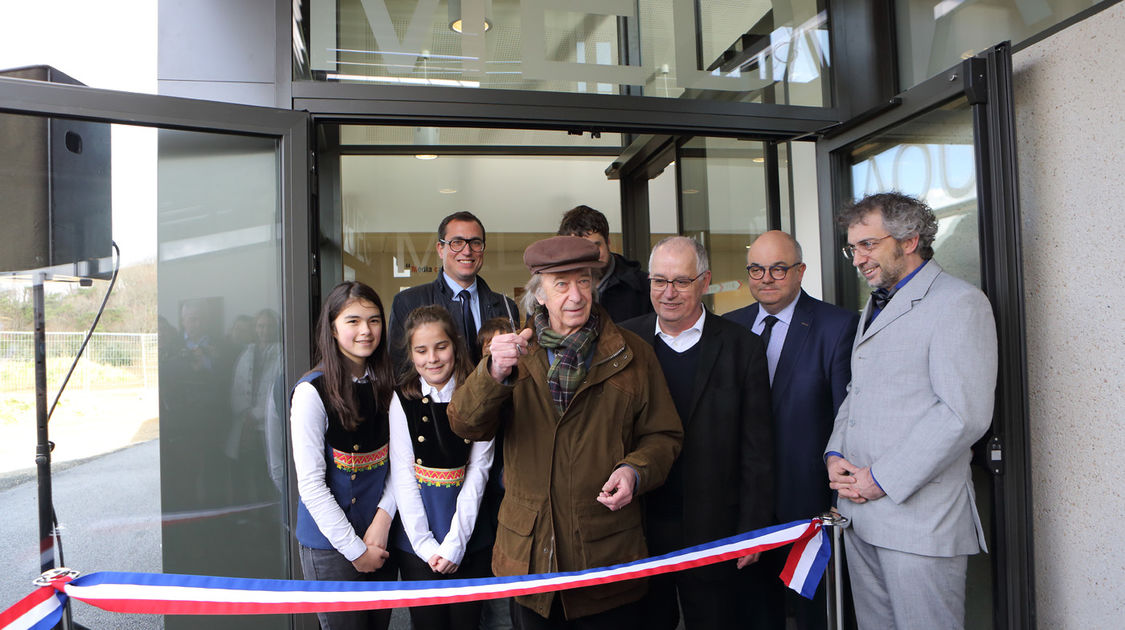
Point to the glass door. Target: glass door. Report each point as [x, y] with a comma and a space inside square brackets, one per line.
[171, 453]
[949, 141]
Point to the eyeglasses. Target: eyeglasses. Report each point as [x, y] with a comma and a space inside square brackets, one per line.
[457, 244]
[864, 247]
[680, 284]
[777, 272]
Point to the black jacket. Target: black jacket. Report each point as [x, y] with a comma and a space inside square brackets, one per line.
[625, 294]
[438, 292]
[726, 465]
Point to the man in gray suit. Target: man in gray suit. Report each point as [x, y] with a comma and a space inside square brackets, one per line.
[923, 380]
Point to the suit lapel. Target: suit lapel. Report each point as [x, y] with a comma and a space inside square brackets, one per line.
[902, 301]
[799, 328]
[709, 345]
[489, 301]
[450, 300]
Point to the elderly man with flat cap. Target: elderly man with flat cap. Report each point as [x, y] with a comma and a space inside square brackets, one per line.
[590, 426]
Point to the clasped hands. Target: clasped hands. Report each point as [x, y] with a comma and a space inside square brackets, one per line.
[376, 540]
[852, 482]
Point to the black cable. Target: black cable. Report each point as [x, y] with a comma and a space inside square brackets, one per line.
[89, 333]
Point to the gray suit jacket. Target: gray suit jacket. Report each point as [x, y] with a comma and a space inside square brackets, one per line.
[922, 391]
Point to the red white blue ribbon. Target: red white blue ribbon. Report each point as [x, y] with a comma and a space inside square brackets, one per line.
[166, 594]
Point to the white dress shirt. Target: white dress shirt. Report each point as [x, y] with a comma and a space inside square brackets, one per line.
[409, 496]
[777, 337]
[685, 340]
[308, 424]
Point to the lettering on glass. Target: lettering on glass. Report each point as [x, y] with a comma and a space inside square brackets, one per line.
[941, 174]
[794, 54]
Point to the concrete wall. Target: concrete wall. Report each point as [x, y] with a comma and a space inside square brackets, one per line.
[222, 51]
[1070, 111]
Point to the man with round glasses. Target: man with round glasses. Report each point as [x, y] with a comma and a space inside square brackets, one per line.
[809, 346]
[458, 288]
[923, 381]
[722, 483]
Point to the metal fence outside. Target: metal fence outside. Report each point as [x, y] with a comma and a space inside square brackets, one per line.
[111, 361]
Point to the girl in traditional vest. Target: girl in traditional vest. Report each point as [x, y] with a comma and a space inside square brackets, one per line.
[340, 450]
[438, 477]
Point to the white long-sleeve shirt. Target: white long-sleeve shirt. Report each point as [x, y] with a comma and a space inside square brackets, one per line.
[408, 496]
[308, 424]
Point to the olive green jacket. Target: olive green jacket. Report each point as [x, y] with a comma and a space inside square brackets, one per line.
[555, 466]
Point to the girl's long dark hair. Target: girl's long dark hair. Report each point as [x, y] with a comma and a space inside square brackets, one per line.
[337, 378]
[408, 384]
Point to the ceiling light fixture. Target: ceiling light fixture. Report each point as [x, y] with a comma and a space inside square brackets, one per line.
[425, 137]
[455, 22]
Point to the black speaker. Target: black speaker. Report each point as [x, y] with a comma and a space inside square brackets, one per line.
[55, 192]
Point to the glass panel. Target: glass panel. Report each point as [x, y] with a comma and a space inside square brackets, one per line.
[757, 51]
[723, 201]
[930, 157]
[932, 36]
[168, 457]
[392, 204]
[663, 217]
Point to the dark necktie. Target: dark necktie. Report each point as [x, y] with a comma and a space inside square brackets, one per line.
[468, 323]
[768, 322]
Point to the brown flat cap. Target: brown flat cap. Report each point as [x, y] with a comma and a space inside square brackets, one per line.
[561, 253]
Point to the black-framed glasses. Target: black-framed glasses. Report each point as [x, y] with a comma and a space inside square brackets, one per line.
[457, 244]
[864, 247]
[777, 272]
[680, 284]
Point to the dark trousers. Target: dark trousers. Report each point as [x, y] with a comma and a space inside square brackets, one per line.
[710, 597]
[463, 616]
[706, 603]
[328, 564]
[625, 617]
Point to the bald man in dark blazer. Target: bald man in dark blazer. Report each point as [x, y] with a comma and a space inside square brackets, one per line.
[809, 351]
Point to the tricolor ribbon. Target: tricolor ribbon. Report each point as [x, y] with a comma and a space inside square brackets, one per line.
[167, 594]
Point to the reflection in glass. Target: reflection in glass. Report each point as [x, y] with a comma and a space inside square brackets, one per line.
[168, 433]
[933, 36]
[723, 203]
[773, 52]
[222, 448]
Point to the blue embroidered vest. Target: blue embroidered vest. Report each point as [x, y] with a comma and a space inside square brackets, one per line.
[356, 463]
[440, 458]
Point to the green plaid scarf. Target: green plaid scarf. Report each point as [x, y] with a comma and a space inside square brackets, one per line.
[569, 367]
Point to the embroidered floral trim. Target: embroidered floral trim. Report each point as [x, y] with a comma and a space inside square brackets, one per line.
[439, 477]
[359, 462]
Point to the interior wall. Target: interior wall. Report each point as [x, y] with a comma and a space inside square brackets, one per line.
[1070, 115]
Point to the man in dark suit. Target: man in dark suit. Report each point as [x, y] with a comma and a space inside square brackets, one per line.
[459, 288]
[623, 287]
[460, 246]
[809, 345]
[722, 483]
